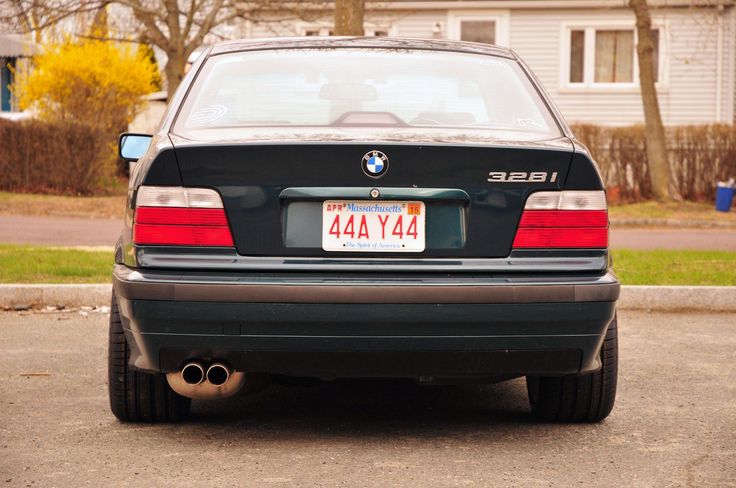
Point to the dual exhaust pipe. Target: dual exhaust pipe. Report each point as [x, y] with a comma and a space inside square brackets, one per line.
[216, 381]
[194, 373]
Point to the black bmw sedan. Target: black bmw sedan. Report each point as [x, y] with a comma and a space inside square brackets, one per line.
[361, 207]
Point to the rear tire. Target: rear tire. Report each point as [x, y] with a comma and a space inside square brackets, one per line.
[136, 396]
[578, 398]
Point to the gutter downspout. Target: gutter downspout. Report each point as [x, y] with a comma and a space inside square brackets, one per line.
[731, 49]
[719, 64]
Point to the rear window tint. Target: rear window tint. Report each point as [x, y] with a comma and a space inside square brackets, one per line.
[364, 88]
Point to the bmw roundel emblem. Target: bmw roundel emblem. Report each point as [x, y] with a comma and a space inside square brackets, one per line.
[375, 164]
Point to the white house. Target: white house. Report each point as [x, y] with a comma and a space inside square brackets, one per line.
[584, 51]
[14, 54]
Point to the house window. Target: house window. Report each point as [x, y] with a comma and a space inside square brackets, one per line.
[614, 56]
[6, 79]
[606, 56]
[577, 56]
[484, 26]
[316, 32]
[377, 32]
[478, 31]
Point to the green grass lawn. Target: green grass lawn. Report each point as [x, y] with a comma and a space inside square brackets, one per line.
[30, 264]
[664, 267]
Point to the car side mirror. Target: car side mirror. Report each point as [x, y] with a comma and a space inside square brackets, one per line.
[132, 146]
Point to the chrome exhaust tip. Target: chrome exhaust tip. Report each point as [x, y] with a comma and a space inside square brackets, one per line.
[192, 373]
[219, 381]
[218, 374]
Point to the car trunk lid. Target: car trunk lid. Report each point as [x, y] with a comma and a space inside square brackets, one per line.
[274, 194]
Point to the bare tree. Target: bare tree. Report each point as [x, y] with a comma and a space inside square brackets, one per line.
[176, 27]
[160, 23]
[37, 16]
[177, 33]
[659, 172]
[349, 17]
[179, 27]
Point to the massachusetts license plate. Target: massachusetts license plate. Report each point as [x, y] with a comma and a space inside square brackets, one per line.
[373, 226]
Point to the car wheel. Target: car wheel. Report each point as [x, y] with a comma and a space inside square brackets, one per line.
[136, 396]
[578, 398]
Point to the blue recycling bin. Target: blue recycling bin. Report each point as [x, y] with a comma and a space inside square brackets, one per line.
[724, 197]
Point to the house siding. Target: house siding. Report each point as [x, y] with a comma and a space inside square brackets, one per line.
[689, 95]
[417, 24]
[729, 66]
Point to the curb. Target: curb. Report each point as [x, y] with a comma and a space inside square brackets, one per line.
[678, 298]
[654, 298]
[23, 297]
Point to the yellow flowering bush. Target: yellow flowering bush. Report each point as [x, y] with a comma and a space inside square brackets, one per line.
[90, 82]
[84, 93]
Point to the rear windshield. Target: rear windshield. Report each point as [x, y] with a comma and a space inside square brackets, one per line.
[364, 88]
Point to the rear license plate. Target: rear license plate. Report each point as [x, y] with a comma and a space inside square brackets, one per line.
[373, 226]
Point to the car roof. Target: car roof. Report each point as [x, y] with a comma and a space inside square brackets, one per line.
[360, 42]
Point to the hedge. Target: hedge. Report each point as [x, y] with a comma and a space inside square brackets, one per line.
[43, 158]
[699, 156]
[38, 157]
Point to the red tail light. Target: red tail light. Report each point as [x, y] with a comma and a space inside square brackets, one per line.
[563, 219]
[176, 216]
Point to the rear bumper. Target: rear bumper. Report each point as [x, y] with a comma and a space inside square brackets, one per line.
[367, 326]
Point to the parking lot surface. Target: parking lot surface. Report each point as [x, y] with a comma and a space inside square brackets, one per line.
[674, 423]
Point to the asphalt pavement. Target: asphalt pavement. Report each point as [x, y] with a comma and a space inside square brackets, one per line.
[67, 231]
[701, 239]
[59, 231]
[674, 423]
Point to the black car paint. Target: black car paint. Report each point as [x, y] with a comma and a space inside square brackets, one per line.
[251, 178]
[480, 340]
[527, 321]
[298, 339]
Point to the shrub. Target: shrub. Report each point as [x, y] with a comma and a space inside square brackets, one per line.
[94, 83]
[41, 157]
[699, 156]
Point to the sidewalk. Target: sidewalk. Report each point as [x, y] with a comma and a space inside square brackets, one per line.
[700, 239]
[59, 231]
[69, 231]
